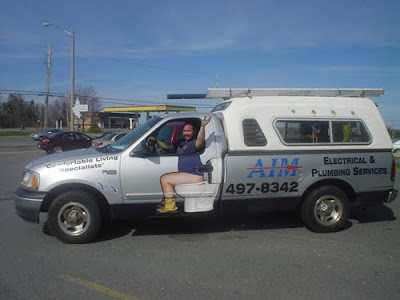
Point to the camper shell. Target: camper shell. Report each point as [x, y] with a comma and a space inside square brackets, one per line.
[316, 151]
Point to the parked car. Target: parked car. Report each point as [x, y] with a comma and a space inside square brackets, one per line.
[37, 135]
[396, 147]
[64, 141]
[105, 134]
[109, 139]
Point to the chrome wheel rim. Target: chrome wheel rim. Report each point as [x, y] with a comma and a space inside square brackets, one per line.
[57, 149]
[328, 210]
[73, 218]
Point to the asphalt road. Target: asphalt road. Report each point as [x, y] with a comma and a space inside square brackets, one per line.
[262, 256]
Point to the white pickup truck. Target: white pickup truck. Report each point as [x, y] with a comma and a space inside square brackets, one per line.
[311, 150]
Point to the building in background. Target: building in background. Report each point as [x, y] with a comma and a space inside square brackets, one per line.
[133, 116]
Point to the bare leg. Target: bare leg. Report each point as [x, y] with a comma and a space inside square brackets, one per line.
[169, 180]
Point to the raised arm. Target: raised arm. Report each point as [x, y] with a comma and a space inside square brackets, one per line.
[201, 134]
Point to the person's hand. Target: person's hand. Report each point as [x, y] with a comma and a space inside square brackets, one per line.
[205, 121]
[152, 139]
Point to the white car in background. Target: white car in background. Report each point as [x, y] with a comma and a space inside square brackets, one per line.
[396, 147]
[108, 139]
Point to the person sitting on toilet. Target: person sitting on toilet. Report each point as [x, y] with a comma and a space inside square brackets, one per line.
[188, 161]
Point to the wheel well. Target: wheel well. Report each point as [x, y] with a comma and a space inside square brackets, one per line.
[54, 193]
[341, 184]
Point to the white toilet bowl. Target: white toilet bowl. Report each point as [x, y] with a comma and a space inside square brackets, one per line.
[197, 196]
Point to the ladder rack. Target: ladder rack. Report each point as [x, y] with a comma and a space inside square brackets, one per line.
[228, 93]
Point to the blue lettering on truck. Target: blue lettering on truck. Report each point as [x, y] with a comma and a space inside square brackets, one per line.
[279, 167]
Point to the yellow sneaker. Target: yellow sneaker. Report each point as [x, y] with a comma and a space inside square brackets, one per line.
[161, 204]
[168, 207]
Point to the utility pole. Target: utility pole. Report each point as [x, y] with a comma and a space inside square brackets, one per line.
[216, 86]
[46, 103]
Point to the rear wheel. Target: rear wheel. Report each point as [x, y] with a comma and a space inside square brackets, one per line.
[56, 149]
[325, 209]
[74, 217]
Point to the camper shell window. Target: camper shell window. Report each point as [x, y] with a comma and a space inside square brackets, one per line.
[252, 133]
[350, 132]
[323, 131]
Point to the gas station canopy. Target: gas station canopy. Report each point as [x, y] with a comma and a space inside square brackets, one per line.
[150, 108]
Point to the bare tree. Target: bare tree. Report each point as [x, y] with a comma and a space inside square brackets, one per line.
[57, 111]
[86, 95]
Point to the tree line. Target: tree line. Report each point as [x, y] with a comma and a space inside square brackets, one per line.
[17, 112]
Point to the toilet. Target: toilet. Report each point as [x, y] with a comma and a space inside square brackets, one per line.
[197, 196]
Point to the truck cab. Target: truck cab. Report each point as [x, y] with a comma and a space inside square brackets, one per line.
[316, 151]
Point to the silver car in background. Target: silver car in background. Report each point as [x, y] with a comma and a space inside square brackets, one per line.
[108, 139]
[396, 147]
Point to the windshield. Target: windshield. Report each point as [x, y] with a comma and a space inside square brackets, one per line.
[131, 137]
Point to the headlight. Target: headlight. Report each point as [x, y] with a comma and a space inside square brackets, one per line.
[30, 180]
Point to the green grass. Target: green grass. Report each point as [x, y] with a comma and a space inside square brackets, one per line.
[14, 132]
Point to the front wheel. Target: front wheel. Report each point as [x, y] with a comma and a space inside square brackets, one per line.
[325, 209]
[74, 217]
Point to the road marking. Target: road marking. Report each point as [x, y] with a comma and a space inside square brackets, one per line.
[99, 288]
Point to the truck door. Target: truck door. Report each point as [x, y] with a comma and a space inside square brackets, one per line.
[142, 167]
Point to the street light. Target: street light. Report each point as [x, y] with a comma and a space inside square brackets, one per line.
[72, 34]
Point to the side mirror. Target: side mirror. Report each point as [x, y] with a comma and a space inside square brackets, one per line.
[204, 168]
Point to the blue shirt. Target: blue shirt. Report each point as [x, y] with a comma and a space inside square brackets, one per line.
[188, 157]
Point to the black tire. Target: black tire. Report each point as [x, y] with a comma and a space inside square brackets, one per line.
[74, 217]
[57, 149]
[325, 209]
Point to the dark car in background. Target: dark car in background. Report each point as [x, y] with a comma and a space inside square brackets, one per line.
[64, 141]
[37, 135]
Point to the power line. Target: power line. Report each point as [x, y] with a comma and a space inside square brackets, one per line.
[101, 99]
[124, 61]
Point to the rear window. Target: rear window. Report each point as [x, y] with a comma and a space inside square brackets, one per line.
[323, 131]
[166, 132]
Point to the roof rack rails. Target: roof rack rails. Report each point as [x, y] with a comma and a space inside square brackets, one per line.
[228, 93]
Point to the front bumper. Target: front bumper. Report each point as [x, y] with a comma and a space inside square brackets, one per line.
[28, 203]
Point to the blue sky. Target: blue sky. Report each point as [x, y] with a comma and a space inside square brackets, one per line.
[139, 51]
